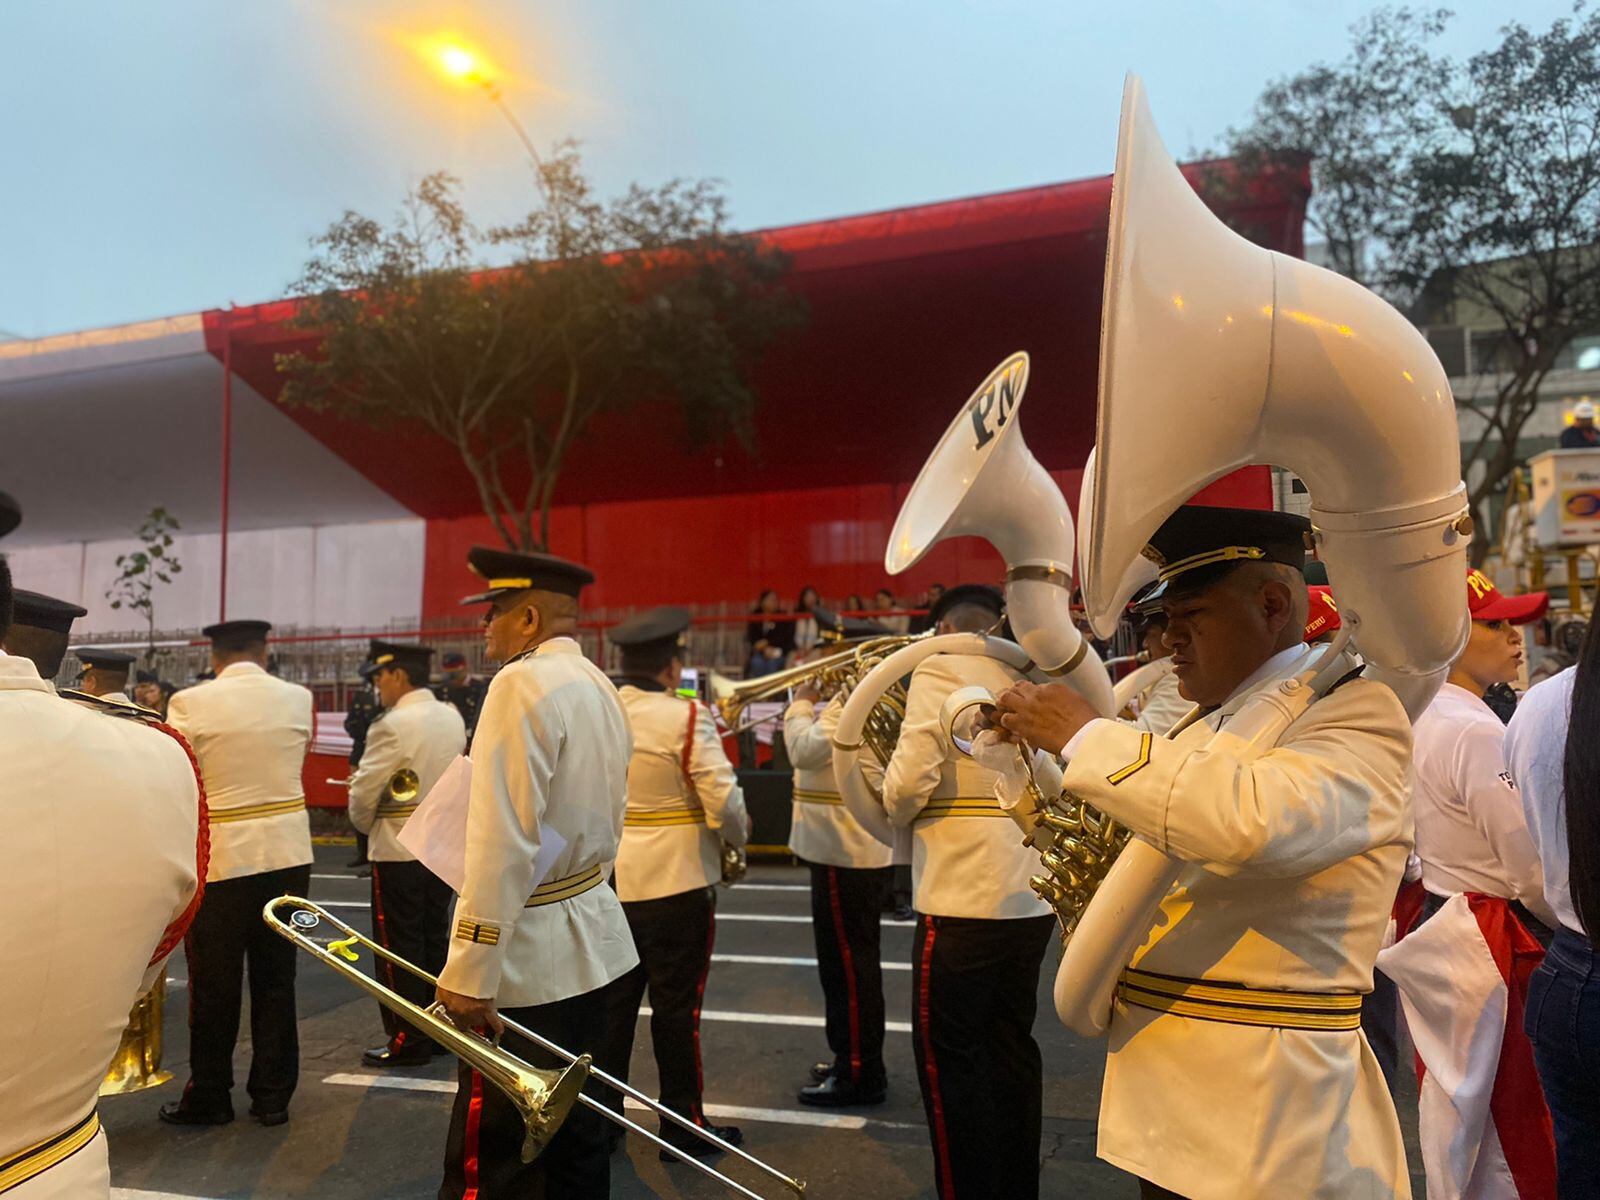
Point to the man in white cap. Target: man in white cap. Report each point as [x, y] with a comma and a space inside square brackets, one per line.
[1581, 434]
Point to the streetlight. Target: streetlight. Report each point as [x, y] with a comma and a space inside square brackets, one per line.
[461, 64]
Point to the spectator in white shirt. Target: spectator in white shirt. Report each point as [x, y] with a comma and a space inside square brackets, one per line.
[1553, 754]
[1471, 834]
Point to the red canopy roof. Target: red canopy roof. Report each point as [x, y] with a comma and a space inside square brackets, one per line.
[909, 310]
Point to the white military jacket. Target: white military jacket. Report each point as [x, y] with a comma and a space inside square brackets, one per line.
[421, 733]
[683, 798]
[1161, 705]
[97, 859]
[1295, 856]
[250, 731]
[550, 752]
[968, 859]
[821, 829]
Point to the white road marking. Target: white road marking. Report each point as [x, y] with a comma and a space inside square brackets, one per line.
[775, 1116]
[763, 887]
[343, 903]
[351, 878]
[787, 1116]
[774, 960]
[740, 1018]
[135, 1194]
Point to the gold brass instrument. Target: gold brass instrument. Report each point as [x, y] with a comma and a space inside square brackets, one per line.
[543, 1096]
[735, 864]
[827, 674]
[1076, 842]
[137, 1062]
[403, 786]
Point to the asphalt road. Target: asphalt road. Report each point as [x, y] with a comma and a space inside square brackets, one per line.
[358, 1134]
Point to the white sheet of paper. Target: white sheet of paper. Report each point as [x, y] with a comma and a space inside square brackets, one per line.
[437, 832]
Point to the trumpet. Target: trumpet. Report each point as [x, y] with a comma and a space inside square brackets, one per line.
[544, 1097]
[828, 674]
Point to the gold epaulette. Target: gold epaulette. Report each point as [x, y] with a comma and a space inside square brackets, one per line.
[115, 708]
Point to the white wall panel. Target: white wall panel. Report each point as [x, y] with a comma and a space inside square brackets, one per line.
[335, 576]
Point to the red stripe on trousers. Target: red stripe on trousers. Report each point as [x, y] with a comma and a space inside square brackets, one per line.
[699, 1114]
[941, 1140]
[469, 1165]
[381, 927]
[849, 973]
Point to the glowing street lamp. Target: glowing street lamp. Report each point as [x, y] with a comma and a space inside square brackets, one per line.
[461, 64]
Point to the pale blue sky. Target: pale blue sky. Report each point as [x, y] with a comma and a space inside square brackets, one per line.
[172, 155]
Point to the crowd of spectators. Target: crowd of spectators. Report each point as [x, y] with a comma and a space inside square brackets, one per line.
[776, 635]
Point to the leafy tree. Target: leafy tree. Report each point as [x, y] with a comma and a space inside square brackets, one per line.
[599, 305]
[142, 569]
[1351, 118]
[1503, 226]
[1466, 192]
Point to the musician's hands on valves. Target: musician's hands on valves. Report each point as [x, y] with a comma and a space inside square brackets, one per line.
[1044, 716]
[471, 1013]
[808, 692]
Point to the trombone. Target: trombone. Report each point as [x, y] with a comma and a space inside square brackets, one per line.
[544, 1097]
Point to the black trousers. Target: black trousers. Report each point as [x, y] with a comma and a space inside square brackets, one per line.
[1149, 1191]
[227, 938]
[975, 986]
[410, 916]
[674, 936]
[483, 1150]
[846, 905]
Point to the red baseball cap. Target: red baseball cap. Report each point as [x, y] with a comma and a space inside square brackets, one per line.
[1323, 616]
[1487, 603]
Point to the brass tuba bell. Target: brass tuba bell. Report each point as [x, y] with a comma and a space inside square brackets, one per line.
[137, 1062]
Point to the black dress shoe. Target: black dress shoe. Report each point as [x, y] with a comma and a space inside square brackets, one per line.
[269, 1116]
[180, 1113]
[414, 1054]
[821, 1071]
[699, 1147]
[838, 1092]
[904, 912]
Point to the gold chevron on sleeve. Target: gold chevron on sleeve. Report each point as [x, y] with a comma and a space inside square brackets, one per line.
[1137, 765]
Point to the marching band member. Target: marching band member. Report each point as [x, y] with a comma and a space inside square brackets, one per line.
[40, 627]
[981, 931]
[105, 673]
[683, 804]
[1161, 705]
[250, 732]
[419, 733]
[549, 767]
[1236, 1065]
[98, 876]
[1482, 1120]
[850, 874]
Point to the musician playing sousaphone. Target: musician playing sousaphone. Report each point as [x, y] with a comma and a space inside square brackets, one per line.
[1236, 1064]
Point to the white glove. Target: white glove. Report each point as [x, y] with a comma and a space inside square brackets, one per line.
[1013, 772]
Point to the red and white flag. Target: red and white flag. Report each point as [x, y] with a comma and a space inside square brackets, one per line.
[1463, 980]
